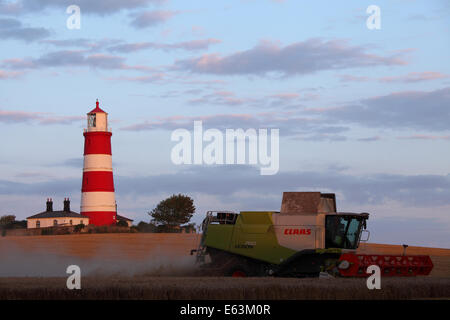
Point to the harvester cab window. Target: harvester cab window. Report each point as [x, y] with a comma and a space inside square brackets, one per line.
[343, 231]
[353, 228]
[224, 218]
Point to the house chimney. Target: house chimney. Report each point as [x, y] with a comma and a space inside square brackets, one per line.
[66, 205]
[49, 205]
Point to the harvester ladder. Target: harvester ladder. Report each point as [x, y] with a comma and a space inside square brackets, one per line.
[210, 218]
[201, 250]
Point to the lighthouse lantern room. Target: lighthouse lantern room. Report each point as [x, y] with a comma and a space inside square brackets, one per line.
[97, 193]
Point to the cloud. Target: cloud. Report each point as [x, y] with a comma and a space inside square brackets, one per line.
[7, 116]
[156, 77]
[321, 137]
[72, 162]
[53, 187]
[60, 120]
[286, 100]
[73, 58]
[425, 137]
[418, 110]
[77, 58]
[9, 74]
[221, 98]
[12, 116]
[415, 77]
[370, 139]
[148, 19]
[90, 44]
[13, 29]
[299, 58]
[352, 78]
[289, 124]
[187, 45]
[421, 190]
[286, 96]
[244, 183]
[100, 7]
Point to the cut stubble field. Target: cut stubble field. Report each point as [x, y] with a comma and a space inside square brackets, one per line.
[158, 266]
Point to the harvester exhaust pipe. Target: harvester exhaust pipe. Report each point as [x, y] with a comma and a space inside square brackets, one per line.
[404, 249]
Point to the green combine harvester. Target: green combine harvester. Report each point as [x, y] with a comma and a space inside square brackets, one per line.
[308, 236]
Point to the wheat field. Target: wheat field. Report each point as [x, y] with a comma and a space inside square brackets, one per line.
[158, 266]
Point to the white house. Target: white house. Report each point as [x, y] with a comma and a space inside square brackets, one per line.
[50, 218]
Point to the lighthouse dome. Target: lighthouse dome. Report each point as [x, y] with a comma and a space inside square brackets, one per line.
[97, 108]
[97, 120]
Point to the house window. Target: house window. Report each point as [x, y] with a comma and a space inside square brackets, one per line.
[55, 222]
[70, 222]
[81, 222]
[38, 224]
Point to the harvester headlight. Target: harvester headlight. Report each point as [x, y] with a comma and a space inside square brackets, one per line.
[344, 264]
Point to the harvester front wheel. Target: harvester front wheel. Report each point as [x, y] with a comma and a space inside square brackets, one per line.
[237, 272]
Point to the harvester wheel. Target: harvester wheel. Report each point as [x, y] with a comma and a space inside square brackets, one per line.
[238, 271]
[239, 274]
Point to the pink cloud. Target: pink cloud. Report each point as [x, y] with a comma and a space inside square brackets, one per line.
[306, 57]
[9, 74]
[12, 116]
[425, 137]
[286, 95]
[352, 78]
[151, 78]
[415, 77]
[192, 45]
[152, 18]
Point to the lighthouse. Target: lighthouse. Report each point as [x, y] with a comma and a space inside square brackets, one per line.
[97, 192]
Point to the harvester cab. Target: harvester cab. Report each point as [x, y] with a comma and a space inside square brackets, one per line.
[344, 230]
[306, 237]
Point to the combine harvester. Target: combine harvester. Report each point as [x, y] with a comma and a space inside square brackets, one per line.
[306, 238]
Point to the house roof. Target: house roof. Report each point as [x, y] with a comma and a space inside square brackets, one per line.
[119, 217]
[97, 108]
[57, 214]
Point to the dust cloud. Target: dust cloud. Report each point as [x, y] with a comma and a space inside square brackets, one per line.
[107, 261]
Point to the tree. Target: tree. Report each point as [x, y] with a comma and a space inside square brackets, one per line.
[78, 227]
[173, 211]
[122, 223]
[146, 227]
[189, 228]
[7, 220]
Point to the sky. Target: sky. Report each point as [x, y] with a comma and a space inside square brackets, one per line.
[363, 113]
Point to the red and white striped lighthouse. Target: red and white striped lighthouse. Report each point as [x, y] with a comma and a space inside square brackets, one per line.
[97, 193]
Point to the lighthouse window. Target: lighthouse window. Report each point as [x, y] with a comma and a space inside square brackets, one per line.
[92, 120]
